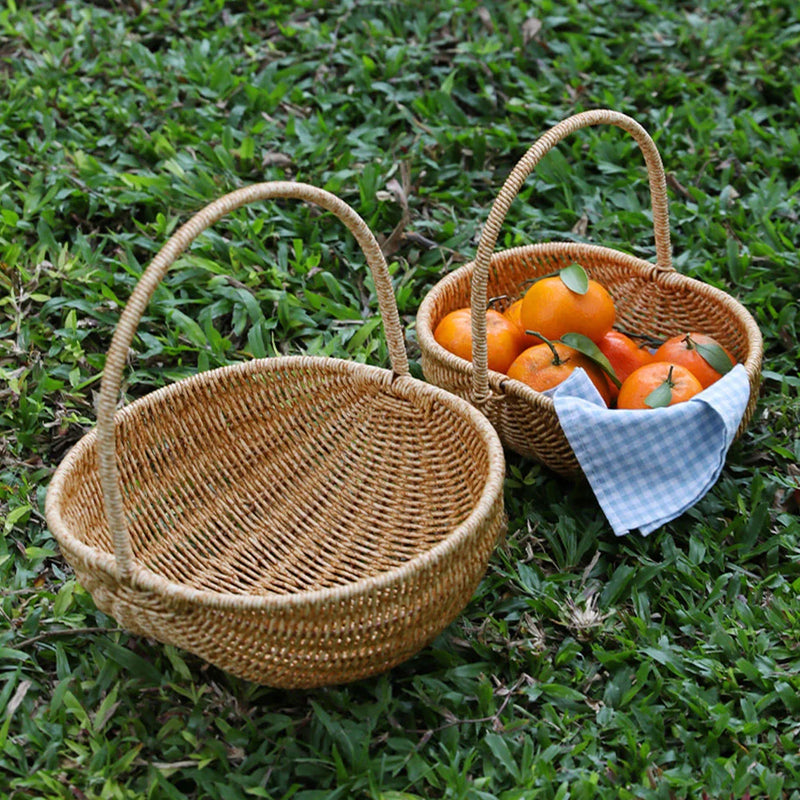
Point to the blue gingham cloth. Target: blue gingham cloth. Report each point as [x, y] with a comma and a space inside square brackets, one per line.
[647, 467]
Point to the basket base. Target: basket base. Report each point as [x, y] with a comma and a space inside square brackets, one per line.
[274, 649]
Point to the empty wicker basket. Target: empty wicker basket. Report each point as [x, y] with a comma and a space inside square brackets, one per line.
[297, 521]
[652, 299]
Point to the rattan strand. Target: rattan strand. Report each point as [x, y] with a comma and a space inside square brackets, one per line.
[652, 299]
[296, 521]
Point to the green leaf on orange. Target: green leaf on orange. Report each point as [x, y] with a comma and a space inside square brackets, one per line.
[661, 396]
[575, 278]
[715, 357]
[583, 344]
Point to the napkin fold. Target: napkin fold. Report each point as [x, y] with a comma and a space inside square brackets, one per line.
[647, 467]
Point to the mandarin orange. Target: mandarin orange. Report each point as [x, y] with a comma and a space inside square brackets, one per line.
[624, 354]
[503, 338]
[544, 366]
[683, 349]
[674, 382]
[551, 308]
[512, 313]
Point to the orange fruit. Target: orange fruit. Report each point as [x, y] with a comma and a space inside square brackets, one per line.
[541, 368]
[675, 380]
[503, 337]
[549, 307]
[682, 349]
[624, 354]
[512, 313]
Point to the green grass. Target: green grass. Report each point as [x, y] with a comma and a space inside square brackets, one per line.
[585, 666]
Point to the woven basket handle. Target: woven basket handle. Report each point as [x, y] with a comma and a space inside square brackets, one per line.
[510, 189]
[152, 276]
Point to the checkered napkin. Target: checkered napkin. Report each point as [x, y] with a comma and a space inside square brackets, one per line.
[648, 467]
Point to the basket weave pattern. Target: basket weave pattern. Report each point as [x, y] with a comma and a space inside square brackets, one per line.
[297, 521]
[650, 298]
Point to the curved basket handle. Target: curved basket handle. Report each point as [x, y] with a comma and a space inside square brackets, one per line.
[510, 189]
[143, 291]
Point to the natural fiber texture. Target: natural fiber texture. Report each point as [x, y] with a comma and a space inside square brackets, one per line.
[296, 521]
[651, 299]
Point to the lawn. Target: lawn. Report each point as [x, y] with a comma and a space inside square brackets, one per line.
[585, 665]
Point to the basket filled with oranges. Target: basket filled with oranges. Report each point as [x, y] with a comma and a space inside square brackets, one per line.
[646, 335]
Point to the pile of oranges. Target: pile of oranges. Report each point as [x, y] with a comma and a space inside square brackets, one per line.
[566, 320]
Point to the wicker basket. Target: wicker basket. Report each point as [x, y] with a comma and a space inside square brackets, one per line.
[296, 521]
[652, 299]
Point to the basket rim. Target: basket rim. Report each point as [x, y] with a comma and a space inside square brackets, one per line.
[501, 383]
[144, 578]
